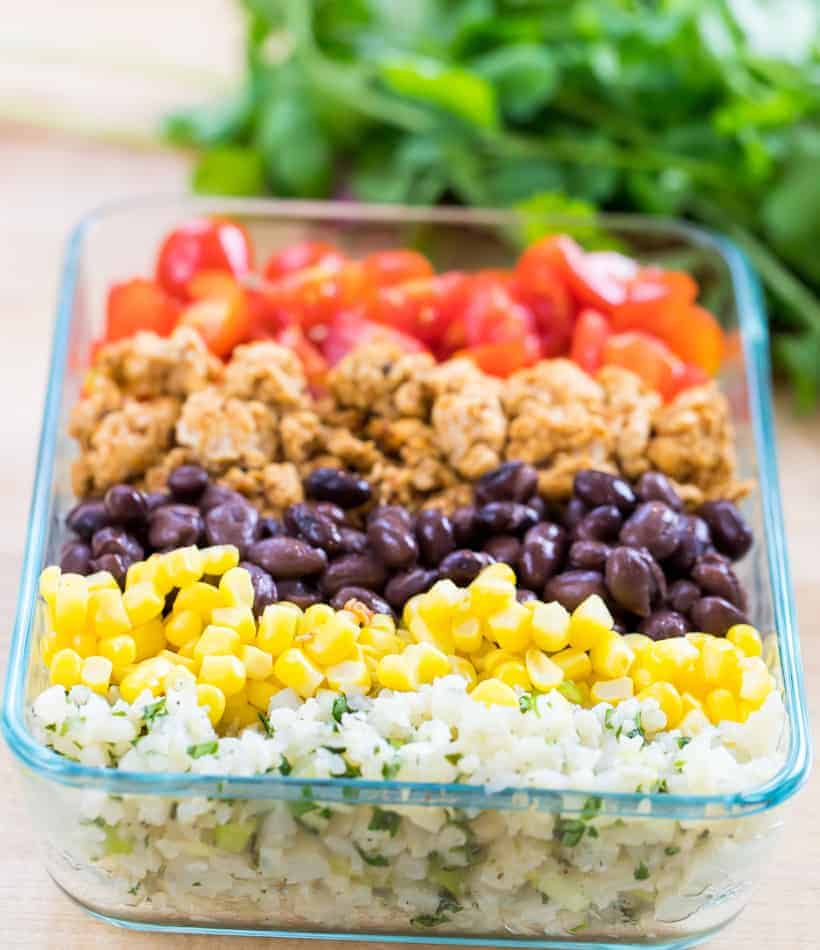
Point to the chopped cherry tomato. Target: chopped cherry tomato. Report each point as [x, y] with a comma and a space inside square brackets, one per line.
[421, 308]
[139, 305]
[650, 295]
[502, 359]
[482, 311]
[647, 357]
[388, 268]
[350, 330]
[696, 337]
[315, 365]
[540, 285]
[589, 338]
[688, 376]
[202, 244]
[219, 312]
[300, 256]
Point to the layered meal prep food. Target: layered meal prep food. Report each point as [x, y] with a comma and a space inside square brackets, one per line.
[357, 521]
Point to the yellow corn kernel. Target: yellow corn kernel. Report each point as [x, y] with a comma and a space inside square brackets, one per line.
[70, 603]
[219, 559]
[498, 571]
[745, 709]
[143, 602]
[411, 609]
[589, 623]
[139, 572]
[543, 673]
[549, 625]
[674, 660]
[721, 664]
[380, 641]
[690, 703]
[187, 649]
[698, 639]
[513, 673]
[236, 588]
[66, 668]
[575, 663]
[178, 678]
[642, 678]
[756, 681]
[50, 643]
[106, 613]
[239, 713]
[491, 593]
[277, 628]
[149, 638]
[317, 615]
[238, 618]
[182, 626]
[149, 675]
[333, 641]
[693, 722]
[200, 597]
[182, 566]
[383, 622]
[721, 705]
[259, 693]
[396, 672]
[101, 580]
[95, 673]
[216, 641]
[429, 663]
[439, 604]
[258, 663]
[349, 674]
[464, 669]
[225, 672]
[493, 658]
[746, 638]
[668, 699]
[84, 643]
[510, 628]
[467, 635]
[493, 692]
[120, 650]
[638, 643]
[295, 670]
[422, 632]
[49, 579]
[612, 691]
[611, 658]
[212, 699]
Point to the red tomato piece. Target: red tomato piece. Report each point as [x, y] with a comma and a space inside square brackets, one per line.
[300, 256]
[421, 308]
[647, 357]
[388, 268]
[541, 286]
[350, 330]
[219, 312]
[315, 365]
[696, 337]
[139, 304]
[214, 244]
[652, 294]
[592, 330]
[688, 376]
[504, 358]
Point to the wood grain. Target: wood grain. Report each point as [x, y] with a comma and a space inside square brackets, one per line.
[46, 183]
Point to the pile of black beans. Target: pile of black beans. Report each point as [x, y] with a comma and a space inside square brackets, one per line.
[660, 570]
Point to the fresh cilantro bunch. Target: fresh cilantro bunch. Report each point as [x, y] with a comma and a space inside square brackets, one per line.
[708, 109]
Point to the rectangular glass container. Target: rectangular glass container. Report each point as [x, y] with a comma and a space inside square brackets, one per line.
[286, 878]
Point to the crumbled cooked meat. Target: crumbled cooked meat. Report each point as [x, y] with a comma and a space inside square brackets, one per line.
[268, 373]
[146, 365]
[125, 443]
[629, 407]
[301, 435]
[271, 488]
[100, 396]
[471, 428]
[382, 378]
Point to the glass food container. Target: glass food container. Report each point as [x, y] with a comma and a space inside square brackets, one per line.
[144, 850]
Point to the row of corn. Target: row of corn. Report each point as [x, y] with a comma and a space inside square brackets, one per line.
[186, 615]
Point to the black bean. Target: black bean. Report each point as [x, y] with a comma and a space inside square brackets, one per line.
[714, 576]
[715, 615]
[215, 495]
[462, 567]
[188, 482]
[364, 595]
[629, 579]
[174, 526]
[506, 517]
[341, 488]
[393, 513]
[664, 624]
[298, 592]
[655, 486]
[573, 512]
[75, 558]
[681, 595]
[547, 531]
[505, 548]
[694, 541]
[573, 587]
[156, 499]
[116, 541]
[401, 587]
[512, 481]
[329, 510]
[270, 528]
[354, 570]
[353, 541]
[600, 488]
[538, 505]
[539, 559]
[731, 535]
[234, 522]
[287, 557]
[601, 524]
[87, 518]
[116, 564]
[435, 535]
[125, 504]
[264, 587]
[465, 526]
[317, 529]
[654, 526]
[523, 595]
[589, 555]
[392, 542]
